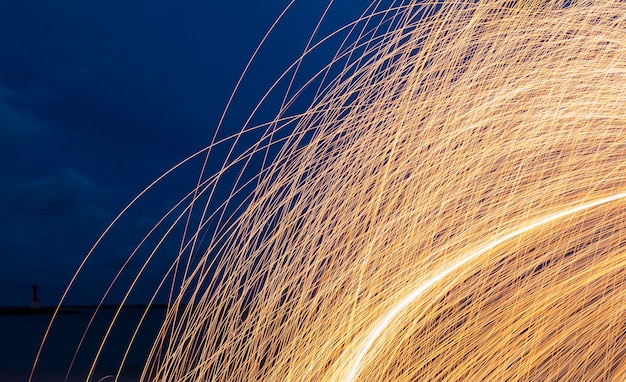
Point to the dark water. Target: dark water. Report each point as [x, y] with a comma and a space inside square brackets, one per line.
[20, 336]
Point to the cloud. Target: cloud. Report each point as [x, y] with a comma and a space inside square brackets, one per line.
[47, 226]
[16, 121]
[62, 194]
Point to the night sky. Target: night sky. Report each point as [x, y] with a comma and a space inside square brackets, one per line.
[98, 98]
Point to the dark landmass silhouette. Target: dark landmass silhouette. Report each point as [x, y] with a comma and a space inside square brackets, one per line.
[77, 309]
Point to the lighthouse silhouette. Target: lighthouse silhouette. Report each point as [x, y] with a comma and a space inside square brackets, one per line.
[35, 301]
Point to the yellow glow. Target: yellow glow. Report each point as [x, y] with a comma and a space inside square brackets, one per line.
[450, 208]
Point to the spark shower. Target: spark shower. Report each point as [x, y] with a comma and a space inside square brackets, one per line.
[451, 206]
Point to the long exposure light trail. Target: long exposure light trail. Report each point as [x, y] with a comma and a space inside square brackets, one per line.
[366, 345]
[442, 201]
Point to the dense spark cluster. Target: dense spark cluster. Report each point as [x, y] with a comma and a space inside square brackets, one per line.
[452, 206]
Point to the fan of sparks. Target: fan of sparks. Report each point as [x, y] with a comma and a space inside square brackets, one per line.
[451, 206]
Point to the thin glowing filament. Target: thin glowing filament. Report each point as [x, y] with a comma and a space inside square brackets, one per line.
[369, 341]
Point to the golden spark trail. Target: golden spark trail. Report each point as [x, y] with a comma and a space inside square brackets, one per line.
[378, 329]
[442, 201]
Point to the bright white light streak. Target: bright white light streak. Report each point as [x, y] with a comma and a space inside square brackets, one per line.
[371, 338]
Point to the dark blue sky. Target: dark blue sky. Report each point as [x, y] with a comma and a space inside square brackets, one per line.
[98, 98]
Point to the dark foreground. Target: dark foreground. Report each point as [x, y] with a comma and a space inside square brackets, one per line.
[21, 331]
